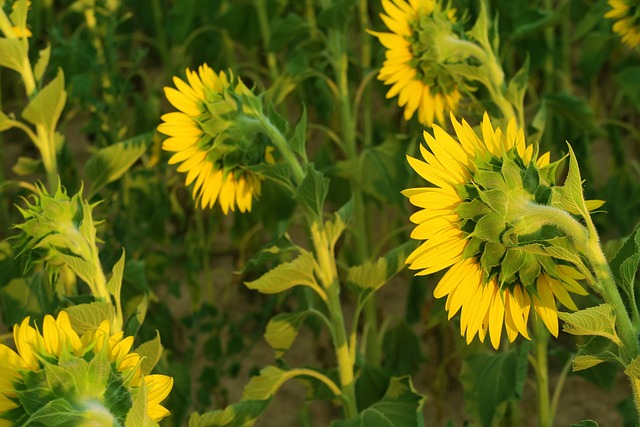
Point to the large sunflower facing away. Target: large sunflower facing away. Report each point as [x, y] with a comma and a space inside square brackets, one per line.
[470, 221]
[627, 13]
[212, 139]
[414, 63]
[88, 380]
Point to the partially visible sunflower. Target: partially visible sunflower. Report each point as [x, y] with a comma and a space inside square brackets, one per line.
[213, 137]
[627, 14]
[471, 221]
[93, 378]
[415, 58]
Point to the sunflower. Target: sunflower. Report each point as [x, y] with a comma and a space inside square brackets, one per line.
[416, 57]
[213, 136]
[88, 378]
[471, 223]
[627, 25]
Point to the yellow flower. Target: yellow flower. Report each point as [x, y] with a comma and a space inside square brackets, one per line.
[470, 221]
[627, 25]
[414, 64]
[59, 348]
[213, 137]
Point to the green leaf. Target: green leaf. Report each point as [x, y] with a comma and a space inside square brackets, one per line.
[624, 264]
[299, 140]
[13, 52]
[586, 423]
[284, 30]
[337, 15]
[312, 192]
[633, 368]
[402, 350]
[570, 197]
[368, 276]
[43, 62]
[83, 269]
[582, 362]
[401, 406]
[26, 166]
[298, 272]
[627, 79]
[489, 227]
[46, 107]
[87, 317]
[114, 285]
[150, 352]
[265, 385]
[517, 86]
[280, 173]
[242, 414]
[136, 319]
[489, 380]
[599, 320]
[282, 330]
[58, 412]
[110, 163]
[271, 252]
[137, 415]
[573, 109]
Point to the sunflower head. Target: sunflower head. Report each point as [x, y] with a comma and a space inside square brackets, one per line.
[477, 221]
[57, 377]
[424, 42]
[215, 136]
[627, 16]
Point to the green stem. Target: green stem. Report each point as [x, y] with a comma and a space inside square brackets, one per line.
[265, 32]
[365, 62]
[558, 388]
[541, 341]
[161, 43]
[310, 9]
[283, 147]
[328, 273]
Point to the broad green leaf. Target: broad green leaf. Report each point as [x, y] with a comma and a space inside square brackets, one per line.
[624, 265]
[110, 163]
[280, 173]
[369, 275]
[282, 330]
[586, 423]
[46, 107]
[633, 368]
[150, 352]
[573, 109]
[299, 140]
[26, 166]
[83, 269]
[298, 272]
[292, 28]
[312, 192]
[401, 406]
[242, 414]
[271, 252]
[43, 62]
[87, 317]
[265, 385]
[599, 320]
[337, 14]
[58, 412]
[582, 362]
[571, 196]
[489, 227]
[517, 86]
[401, 349]
[114, 285]
[371, 385]
[13, 53]
[137, 415]
[132, 325]
[490, 379]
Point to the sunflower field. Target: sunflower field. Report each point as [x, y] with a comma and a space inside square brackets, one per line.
[345, 213]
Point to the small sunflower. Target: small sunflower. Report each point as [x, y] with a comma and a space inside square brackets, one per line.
[213, 136]
[92, 378]
[627, 13]
[415, 58]
[470, 221]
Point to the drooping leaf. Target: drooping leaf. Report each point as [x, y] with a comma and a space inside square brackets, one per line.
[401, 406]
[265, 385]
[298, 272]
[582, 362]
[282, 330]
[110, 163]
[242, 414]
[43, 62]
[489, 380]
[599, 320]
[6, 122]
[114, 285]
[299, 140]
[312, 192]
[26, 166]
[150, 352]
[87, 317]
[12, 51]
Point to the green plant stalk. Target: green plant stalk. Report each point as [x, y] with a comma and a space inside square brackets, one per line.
[337, 41]
[330, 281]
[283, 147]
[541, 342]
[365, 62]
[310, 9]
[161, 39]
[265, 32]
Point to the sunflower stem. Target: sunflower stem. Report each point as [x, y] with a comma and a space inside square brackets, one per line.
[265, 32]
[283, 147]
[329, 277]
[541, 341]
